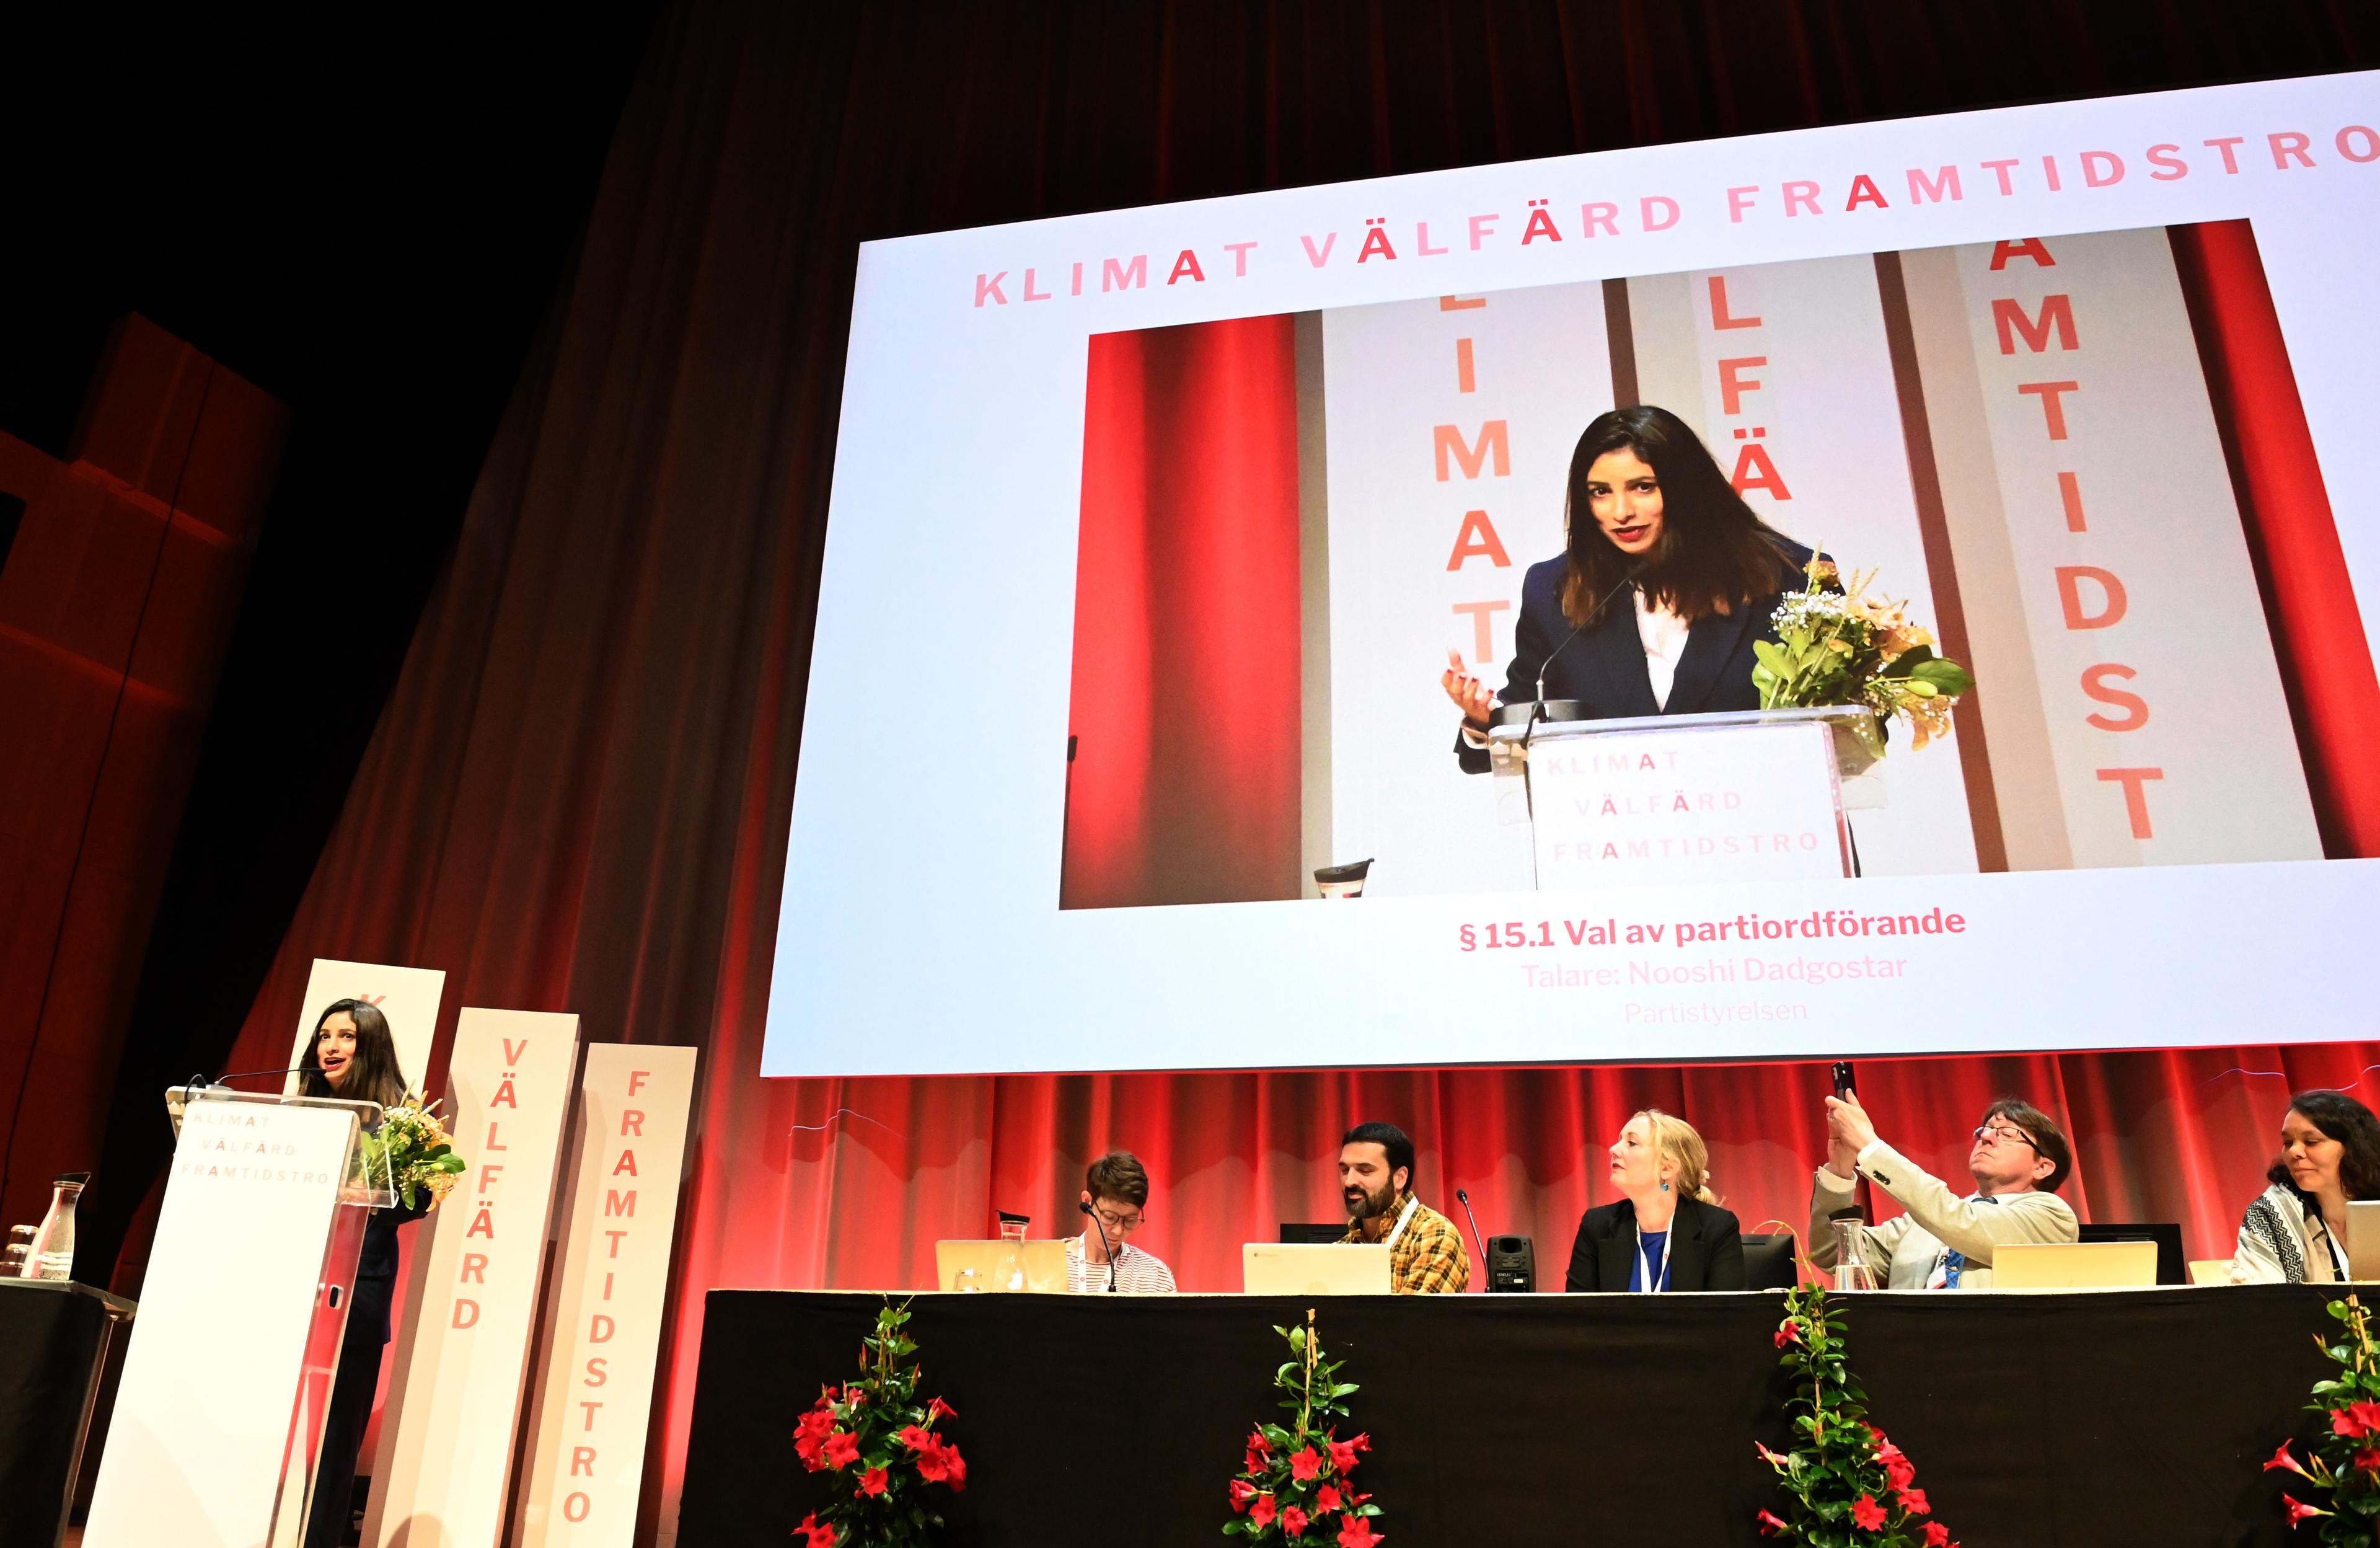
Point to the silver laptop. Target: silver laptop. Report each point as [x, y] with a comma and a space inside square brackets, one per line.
[1314, 1268]
[2363, 1239]
[2084, 1265]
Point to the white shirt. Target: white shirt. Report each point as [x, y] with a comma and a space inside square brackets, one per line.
[1137, 1272]
[1663, 635]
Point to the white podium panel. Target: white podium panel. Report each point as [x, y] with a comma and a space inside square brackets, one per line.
[1637, 803]
[203, 1417]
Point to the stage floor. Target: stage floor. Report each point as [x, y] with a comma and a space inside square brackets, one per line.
[2096, 1418]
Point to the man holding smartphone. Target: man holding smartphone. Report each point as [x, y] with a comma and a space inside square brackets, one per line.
[1944, 1242]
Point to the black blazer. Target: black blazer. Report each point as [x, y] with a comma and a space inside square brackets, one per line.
[1706, 1255]
[1604, 667]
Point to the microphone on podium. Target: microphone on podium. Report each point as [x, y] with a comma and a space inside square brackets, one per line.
[1104, 1244]
[1538, 708]
[1465, 1201]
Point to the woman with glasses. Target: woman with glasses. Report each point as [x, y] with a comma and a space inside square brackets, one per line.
[1944, 1241]
[2295, 1231]
[1115, 1202]
[1666, 1232]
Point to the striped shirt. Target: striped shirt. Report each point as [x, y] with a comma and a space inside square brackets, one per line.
[1137, 1272]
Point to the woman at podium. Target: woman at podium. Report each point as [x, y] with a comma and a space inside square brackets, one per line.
[354, 1058]
[1647, 511]
[1667, 1232]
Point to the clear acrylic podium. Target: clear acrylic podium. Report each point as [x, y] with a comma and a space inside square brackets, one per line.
[218, 1419]
[1737, 796]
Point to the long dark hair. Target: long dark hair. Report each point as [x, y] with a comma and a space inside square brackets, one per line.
[2340, 1118]
[373, 1075]
[1714, 555]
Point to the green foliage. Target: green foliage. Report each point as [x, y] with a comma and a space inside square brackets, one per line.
[2342, 1464]
[1299, 1475]
[1838, 647]
[1846, 1484]
[878, 1441]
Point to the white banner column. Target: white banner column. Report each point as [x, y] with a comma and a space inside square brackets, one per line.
[587, 1445]
[445, 1460]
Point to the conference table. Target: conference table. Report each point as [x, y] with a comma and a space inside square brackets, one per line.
[53, 1341]
[2077, 1417]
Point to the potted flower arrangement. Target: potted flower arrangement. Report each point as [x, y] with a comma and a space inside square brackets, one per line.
[412, 1150]
[878, 1441]
[1842, 646]
[1297, 1485]
[2342, 1462]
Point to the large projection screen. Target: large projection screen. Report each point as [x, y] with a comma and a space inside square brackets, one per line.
[1150, 532]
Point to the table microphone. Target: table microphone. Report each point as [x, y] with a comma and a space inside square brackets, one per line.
[1465, 1200]
[249, 1074]
[1102, 1226]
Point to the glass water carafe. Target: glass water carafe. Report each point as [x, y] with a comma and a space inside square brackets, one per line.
[1851, 1271]
[50, 1255]
[1008, 1267]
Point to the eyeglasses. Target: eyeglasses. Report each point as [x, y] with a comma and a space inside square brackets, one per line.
[1122, 1223]
[1993, 1134]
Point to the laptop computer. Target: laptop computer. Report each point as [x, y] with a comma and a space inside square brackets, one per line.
[1045, 1264]
[2090, 1265]
[1314, 1268]
[2363, 1239]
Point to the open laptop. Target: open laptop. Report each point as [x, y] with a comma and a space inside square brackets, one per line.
[1045, 1264]
[1314, 1268]
[2089, 1266]
[2363, 1239]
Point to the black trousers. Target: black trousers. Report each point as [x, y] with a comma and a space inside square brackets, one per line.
[350, 1412]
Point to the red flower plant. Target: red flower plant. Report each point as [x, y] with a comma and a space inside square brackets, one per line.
[2356, 1421]
[936, 1409]
[1356, 1533]
[1293, 1521]
[2282, 1458]
[814, 1535]
[1342, 1453]
[1867, 1514]
[1788, 1333]
[1243, 1493]
[1262, 1512]
[938, 1462]
[872, 1482]
[1328, 1497]
[2300, 1512]
[1304, 1465]
[1913, 1502]
[878, 1428]
[842, 1449]
[1938, 1535]
[1771, 1524]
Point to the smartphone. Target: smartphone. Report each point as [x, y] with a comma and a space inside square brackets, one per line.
[1845, 1085]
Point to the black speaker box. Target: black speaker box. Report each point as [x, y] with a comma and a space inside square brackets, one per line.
[1512, 1265]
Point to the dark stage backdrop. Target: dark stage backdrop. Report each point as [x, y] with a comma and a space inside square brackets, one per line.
[576, 796]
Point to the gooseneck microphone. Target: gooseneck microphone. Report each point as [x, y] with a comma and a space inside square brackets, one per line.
[1110, 1248]
[248, 1074]
[1465, 1200]
[1538, 709]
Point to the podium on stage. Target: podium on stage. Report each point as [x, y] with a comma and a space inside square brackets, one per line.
[1749, 795]
[219, 1416]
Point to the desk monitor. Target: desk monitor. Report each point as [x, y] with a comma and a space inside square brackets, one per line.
[2096, 1265]
[1313, 1230]
[2363, 1239]
[1045, 1263]
[1313, 1269]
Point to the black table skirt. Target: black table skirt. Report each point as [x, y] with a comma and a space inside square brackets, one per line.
[49, 1343]
[2099, 1418]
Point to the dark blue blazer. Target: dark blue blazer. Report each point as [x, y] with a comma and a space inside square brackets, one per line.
[1604, 667]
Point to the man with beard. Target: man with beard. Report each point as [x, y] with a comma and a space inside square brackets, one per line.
[1426, 1254]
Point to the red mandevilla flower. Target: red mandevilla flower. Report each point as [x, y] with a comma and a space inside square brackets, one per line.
[842, 1449]
[814, 1535]
[1342, 1453]
[1261, 1513]
[2300, 1512]
[936, 1409]
[1242, 1491]
[938, 1462]
[1355, 1532]
[1326, 1497]
[1767, 1456]
[1791, 1332]
[916, 1437]
[1913, 1502]
[1305, 1467]
[1898, 1471]
[2366, 1459]
[1937, 1535]
[1293, 1521]
[1772, 1525]
[2357, 1419]
[871, 1482]
[2282, 1458]
[1257, 1442]
[1867, 1514]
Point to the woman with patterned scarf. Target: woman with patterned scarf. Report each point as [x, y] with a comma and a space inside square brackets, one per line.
[2295, 1231]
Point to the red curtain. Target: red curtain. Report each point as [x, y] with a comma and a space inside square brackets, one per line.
[577, 797]
[1183, 783]
[2317, 628]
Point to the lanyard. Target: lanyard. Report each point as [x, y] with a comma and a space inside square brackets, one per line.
[1644, 1259]
[1402, 1221]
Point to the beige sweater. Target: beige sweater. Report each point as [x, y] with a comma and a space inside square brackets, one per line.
[1903, 1253]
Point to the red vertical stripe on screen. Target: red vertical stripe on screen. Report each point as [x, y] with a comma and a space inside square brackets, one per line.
[2326, 656]
[1184, 787]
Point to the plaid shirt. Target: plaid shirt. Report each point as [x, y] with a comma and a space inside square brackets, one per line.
[1428, 1259]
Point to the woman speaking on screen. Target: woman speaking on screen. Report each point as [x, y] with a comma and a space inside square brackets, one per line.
[1647, 512]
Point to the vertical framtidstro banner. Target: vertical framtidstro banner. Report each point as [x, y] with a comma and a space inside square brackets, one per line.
[445, 1468]
[595, 1397]
[409, 997]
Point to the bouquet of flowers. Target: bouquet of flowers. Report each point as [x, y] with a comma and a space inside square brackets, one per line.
[414, 1146]
[2343, 1460]
[1847, 1486]
[1296, 1481]
[876, 1440]
[1845, 647]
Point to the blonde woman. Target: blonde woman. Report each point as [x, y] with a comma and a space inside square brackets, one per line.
[1667, 1232]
